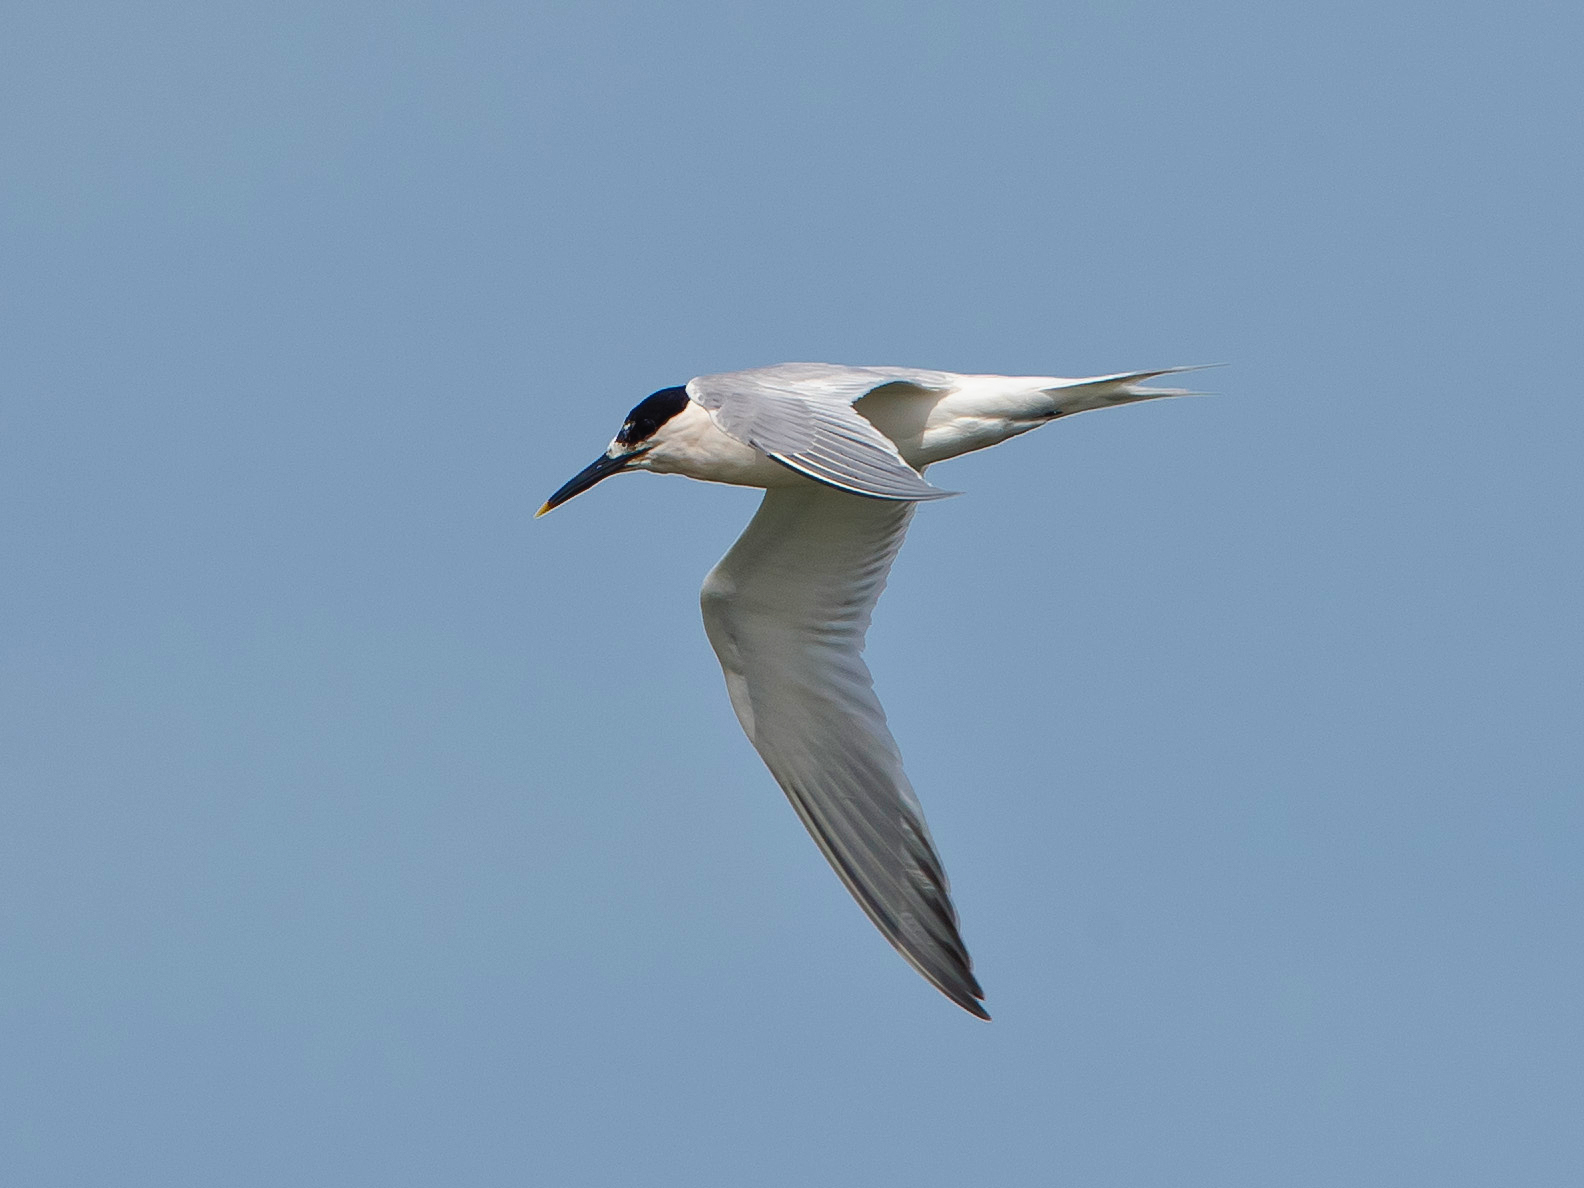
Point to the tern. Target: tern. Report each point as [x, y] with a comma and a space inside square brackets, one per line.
[841, 453]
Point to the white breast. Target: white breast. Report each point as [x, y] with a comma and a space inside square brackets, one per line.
[690, 444]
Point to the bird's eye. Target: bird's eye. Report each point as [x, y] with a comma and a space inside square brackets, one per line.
[650, 414]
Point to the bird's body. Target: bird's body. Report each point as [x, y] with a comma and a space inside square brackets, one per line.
[840, 451]
[928, 416]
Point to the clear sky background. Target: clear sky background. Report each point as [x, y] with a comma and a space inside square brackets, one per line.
[357, 830]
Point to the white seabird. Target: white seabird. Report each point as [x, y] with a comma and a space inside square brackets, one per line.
[841, 453]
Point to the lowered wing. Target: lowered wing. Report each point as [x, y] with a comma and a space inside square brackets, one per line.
[801, 414]
[786, 611]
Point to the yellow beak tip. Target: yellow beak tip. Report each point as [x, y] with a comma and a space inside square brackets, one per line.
[545, 510]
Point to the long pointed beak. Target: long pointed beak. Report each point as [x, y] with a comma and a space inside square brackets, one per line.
[601, 468]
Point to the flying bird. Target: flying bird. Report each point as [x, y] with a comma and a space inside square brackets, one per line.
[841, 453]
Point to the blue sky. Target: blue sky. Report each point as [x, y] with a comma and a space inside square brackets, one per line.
[356, 829]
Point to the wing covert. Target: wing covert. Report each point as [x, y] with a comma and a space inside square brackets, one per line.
[786, 611]
[801, 415]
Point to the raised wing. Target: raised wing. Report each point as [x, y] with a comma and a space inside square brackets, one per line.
[786, 611]
[801, 414]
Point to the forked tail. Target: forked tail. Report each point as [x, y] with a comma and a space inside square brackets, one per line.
[1106, 391]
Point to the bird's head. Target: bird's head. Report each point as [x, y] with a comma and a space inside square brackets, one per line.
[636, 438]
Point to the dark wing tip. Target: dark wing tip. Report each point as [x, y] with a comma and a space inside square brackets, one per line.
[974, 1008]
[964, 990]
